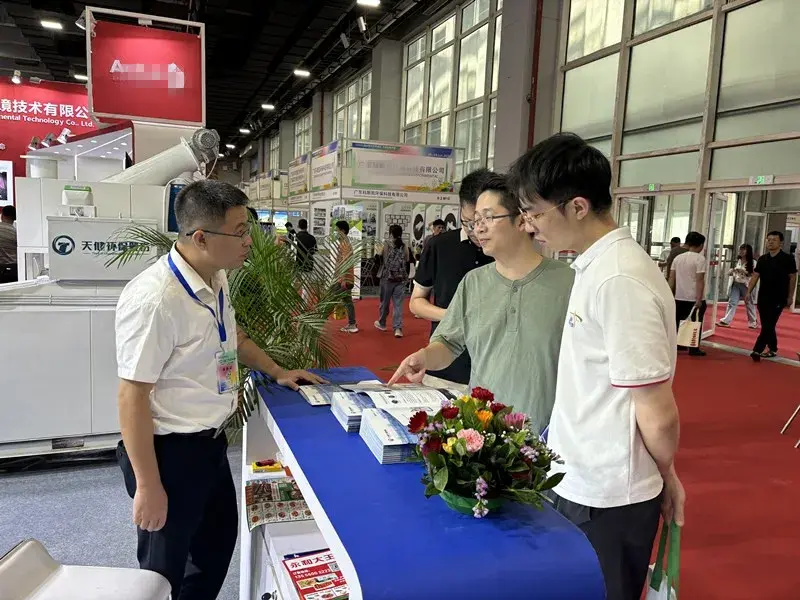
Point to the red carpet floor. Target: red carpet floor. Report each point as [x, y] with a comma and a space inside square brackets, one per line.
[739, 335]
[742, 478]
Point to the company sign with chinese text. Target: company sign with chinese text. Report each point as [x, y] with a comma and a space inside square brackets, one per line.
[397, 166]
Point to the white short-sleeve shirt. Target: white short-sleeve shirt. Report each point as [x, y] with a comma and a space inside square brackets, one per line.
[687, 266]
[619, 334]
[167, 338]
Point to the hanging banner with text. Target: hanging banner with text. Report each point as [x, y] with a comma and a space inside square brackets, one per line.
[401, 167]
[298, 176]
[31, 110]
[142, 72]
[324, 167]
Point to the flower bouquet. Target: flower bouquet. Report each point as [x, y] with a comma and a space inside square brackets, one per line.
[478, 453]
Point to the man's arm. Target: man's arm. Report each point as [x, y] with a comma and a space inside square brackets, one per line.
[421, 305]
[672, 281]
[136, 424]
[792, 288]
[254, 357]
[752, 286]
[659, 425]
[700, 288]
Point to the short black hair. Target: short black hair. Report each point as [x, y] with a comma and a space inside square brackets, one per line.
[205, 203]
[561, 168]
[675, 240]
[343, 226]
[9, 212]
[438, 223]
[499, 184]
[253, 213]
[778, 234]
[302, 224]
[289, 225]
[695, 239]
[472, 186]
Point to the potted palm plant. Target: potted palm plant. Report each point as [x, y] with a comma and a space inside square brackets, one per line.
[281, 307]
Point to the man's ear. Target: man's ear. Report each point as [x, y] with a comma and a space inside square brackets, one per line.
[580, 206]
[199, 239]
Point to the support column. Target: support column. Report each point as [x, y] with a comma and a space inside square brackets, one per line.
[318, 118]
[263, 154]
[286, 146]
[327, 121]
[547, 84]
[387, 91]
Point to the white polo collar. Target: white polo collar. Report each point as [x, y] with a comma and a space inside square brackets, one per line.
[600, 246]
[464, 235]
[189, 274]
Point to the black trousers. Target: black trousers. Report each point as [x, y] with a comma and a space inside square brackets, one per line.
[193, 550]
[8, 273]
[623, 539]
[683, 308]
[769, 314]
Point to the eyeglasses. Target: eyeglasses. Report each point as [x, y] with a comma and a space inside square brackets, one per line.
[241, 236]
[481, 219]
[531, 218]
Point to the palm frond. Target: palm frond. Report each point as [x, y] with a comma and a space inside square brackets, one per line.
[141, 239]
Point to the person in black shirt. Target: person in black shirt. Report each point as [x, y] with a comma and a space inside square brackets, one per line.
[777, 273]
[446, 259]
[306, 247]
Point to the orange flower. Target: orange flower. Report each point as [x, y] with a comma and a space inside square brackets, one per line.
[485, 417]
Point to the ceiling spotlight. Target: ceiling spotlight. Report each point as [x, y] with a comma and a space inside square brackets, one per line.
[81, 77]
[48, 140]
[230, 146]
[35, 144]
[221, 155]
[244, 131]
[93, 141]
[81, 22]
[67, 150]
[123, 143]
[56, 152]
[51, 25]
[370, 3]
[115, 148]
[80, 145]
[345, 41]
[302, 73]
[268, 106]
[16, 77]
[362, 24]
[62, 137]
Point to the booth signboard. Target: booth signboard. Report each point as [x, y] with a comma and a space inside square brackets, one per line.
[299, 176]
[79, 249]
[397, 213]
[451, 216]
[139, 72]
[325, 167]
[380, 165]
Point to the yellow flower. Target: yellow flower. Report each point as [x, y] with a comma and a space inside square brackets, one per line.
[485, 417]
[449, 444]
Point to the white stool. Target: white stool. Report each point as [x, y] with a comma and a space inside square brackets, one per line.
[28, 572]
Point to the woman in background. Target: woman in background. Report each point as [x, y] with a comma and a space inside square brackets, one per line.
[742, 273]
[393, 275]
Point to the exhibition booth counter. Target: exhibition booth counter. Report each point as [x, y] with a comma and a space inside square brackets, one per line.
[388, 540]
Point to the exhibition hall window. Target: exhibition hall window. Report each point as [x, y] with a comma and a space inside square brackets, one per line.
[302, 134]
[274, 153]
[352, 107]
[450, 84]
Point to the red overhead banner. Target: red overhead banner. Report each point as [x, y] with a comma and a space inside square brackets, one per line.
[139, 72]
[32, 110]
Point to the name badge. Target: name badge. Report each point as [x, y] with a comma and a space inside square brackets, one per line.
[227, 371]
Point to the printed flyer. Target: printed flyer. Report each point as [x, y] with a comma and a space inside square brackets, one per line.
[316, 576]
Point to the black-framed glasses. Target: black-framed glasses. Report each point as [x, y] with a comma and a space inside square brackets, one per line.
[530, 218]
[241, 236]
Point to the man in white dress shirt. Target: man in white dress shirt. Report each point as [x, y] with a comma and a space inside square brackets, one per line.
[178, 349]
[615, 422]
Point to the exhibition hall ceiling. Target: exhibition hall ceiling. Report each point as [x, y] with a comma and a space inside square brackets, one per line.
[253, 47]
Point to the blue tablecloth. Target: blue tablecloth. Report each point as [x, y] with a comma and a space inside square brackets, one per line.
[406, 546]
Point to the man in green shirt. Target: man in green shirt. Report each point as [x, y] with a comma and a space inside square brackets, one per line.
[509, 315]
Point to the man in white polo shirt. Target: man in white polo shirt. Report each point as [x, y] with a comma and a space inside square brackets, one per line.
[615, 422]
[687, 279]
[178, 349]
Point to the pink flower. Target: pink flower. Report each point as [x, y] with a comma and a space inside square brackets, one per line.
[473, 439]
[516, 420]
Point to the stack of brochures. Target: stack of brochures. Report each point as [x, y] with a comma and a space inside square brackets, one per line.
[385, 431]
[347, 408]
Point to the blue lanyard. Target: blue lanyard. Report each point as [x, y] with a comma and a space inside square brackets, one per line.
[223, 336]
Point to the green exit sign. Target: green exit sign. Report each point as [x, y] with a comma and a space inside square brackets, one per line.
[653, 187]
[762, 180]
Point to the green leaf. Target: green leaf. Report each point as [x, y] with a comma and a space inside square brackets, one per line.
[440, 479]
[430, 490]
[552, 482]
[436, 460]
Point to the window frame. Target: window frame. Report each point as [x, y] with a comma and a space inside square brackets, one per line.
[358, 103]
[453, 107]
[302, 134]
